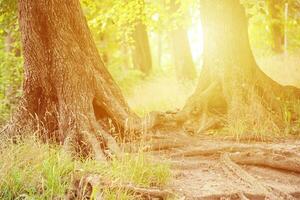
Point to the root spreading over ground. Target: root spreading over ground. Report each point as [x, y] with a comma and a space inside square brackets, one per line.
[214, 168]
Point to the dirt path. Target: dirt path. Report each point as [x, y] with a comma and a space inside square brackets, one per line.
[214, 168]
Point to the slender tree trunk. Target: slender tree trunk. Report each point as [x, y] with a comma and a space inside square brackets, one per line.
[142, 59]
[275, 8]
[231, 80]
[159, 49]
[182, 55]
[8, 43]
[69, 96]
[126, 57]
[181, 50]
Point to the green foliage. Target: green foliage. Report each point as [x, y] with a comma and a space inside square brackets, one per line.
[11, 70]
[11, 75]
[260, 21]
[8, 16]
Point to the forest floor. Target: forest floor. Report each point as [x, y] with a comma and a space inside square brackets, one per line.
[215, 167]
[207, 167]
[202, 166]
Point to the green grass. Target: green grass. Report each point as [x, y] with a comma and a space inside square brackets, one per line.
[33, 170]
[118, 194]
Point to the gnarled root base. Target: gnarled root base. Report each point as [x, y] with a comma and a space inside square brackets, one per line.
[76, 129]
[79, 129]
[253, 103]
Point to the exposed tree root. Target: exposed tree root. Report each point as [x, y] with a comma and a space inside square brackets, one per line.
[241, 196]
[158, 146]
[83, 188]
[267, 159]
[231, 168]
[179, 165]
[277, 159]
[145, 193]
[147, 147]
[160, 142]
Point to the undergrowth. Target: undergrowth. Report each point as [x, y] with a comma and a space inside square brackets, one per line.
[159, 94]
[30, 169]
[254, 122]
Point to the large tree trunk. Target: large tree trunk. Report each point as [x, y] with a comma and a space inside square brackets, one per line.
[231, 80]
[142, 59]
[275, 8]
[69, 96]
[182, 55]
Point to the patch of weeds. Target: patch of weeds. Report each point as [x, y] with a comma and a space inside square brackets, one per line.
[33, 170]
[251, 120]
[291, 117]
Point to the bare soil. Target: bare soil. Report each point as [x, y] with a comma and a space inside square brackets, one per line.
[206, 167]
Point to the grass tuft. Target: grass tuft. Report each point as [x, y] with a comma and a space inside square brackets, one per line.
[32, 170]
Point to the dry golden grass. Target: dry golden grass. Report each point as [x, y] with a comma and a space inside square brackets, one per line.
[159, 94]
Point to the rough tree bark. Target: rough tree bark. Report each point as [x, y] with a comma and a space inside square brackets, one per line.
[182, 55]
[275, 9]
[230, 79]
[69, 96]
[142, 59]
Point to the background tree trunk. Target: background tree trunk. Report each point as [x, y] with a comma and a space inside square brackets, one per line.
[8, 43]
[69, 96]
[182, 55]
[142, 59]
[275, 8]
[159, 49]
[230, 79]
